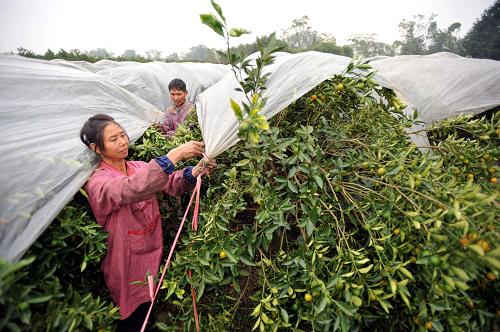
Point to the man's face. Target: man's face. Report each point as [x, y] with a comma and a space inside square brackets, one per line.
[178, 97]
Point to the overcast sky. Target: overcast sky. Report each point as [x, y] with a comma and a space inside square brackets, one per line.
[174, 26]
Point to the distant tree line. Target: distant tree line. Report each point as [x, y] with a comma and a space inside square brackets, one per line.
[419, 35]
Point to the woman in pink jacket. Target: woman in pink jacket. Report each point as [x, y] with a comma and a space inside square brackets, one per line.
[122, 195]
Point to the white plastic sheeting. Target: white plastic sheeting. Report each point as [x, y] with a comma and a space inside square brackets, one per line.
[43, 163]
[150, 80]
[438, 86]
[442, 85]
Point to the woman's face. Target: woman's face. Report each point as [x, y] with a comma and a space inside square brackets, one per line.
[115, 143]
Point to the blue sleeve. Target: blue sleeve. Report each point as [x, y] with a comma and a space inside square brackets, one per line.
[166, 164]
[188, 175]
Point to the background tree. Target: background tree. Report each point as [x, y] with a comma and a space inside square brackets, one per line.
[365, 45]
[414, 34]
[332, 47]
[423, 36]
[153, 55]
[300, 35]
[247, 49]
[129, 54]
[201, 53]
[100, 53]
[483, 39]
[174, 57]
[444, 40]
[25, 52]
[49, 55]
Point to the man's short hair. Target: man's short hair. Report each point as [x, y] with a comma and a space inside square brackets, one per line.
[177, 84]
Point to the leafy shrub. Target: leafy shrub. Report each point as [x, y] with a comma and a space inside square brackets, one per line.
[56, 288]
[335, 220]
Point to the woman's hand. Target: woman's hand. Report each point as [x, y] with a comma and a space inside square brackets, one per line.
[186, 151]
[204, 164]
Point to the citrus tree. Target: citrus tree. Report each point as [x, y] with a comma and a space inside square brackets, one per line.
[329, 218]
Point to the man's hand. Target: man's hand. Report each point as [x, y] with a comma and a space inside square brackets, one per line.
[186, 151]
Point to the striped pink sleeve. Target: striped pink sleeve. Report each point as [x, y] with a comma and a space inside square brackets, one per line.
[107, 193]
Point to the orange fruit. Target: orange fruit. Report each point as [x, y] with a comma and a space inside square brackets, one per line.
[222, 254]
[493, 180]
[491, 276]
[464, 242]
[472, 236]
[308, 297]
[484, 244]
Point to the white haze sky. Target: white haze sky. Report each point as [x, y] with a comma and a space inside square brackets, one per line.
[174, 26]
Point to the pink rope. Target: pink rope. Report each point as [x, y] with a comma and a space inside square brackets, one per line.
[194, 226]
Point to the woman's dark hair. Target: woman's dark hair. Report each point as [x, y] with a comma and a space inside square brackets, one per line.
[93, 130]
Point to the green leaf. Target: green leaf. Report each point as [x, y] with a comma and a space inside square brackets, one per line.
[404, 297]
[412, 214]
[253, 136]
[242, 162]
[318, 180]
[87, 322]
[200, 291]
[477, 248]
[344, 307]
[231, 257]
[284, 314]
[261, 122]
[218, 10]
[265, 319]
[384, 304]
[232, 173]
[460, 273]
[246, 261]
[309, 228]
[11, 268]
[321, 306]
[404, 271]
[256, 324]
[83, 266]
[366, 269]
[237, 32]
[394, 171]
[493, 262]
[348, 274]
[40, 299]
[461, 285]
[212, 21]
[84, 193]
[161, 326]
[236, 109]
[356, 301]
[292, 187]
[256, 310]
